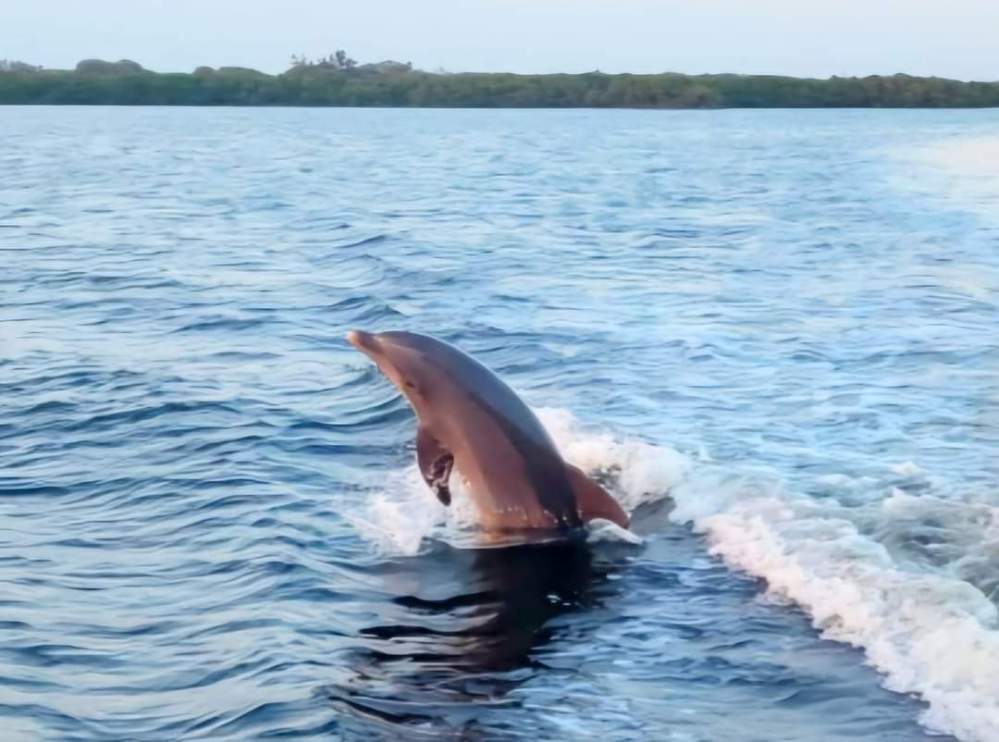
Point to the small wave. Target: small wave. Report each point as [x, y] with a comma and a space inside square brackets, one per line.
[224, 324]
[956, 538]
[931, 634]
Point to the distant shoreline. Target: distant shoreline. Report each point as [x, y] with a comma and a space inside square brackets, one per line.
[340, 82]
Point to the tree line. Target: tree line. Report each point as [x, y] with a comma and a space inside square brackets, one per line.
[338, 80]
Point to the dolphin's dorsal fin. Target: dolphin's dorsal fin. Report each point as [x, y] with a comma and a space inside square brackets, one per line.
[435, 463]
[592, 500]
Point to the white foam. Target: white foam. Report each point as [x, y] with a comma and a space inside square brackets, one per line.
[635, 471]
[401, 513]
[957, 537]
[931, 634]
[907, 469]
[605, 531]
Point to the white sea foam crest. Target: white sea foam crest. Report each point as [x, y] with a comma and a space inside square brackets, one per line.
[931, 634]
[633, 470]
[401, 513]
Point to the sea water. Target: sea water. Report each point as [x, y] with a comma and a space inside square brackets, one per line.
[771, 334]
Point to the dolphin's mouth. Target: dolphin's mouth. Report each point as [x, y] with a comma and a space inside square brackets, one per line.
[363, 341]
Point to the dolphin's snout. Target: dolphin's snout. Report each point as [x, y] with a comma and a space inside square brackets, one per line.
[363, 341]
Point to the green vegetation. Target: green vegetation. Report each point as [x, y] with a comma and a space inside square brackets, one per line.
[338, 80]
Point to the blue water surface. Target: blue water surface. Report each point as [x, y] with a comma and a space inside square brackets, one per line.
[185, 438]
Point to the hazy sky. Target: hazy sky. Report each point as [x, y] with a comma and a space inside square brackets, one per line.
[951, 38]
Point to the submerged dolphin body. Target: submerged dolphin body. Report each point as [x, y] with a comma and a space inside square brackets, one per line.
[471, 421]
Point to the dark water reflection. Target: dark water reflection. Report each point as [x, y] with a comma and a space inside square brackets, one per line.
[460, 635]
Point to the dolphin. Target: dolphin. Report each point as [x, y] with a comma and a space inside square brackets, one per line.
[469, 420]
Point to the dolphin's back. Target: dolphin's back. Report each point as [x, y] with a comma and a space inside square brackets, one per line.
[491, 391]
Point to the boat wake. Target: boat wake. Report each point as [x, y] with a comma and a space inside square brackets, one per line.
[904, 577]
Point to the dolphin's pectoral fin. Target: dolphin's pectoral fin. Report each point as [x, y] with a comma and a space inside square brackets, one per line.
[592, 500]
[435, 463]
[439, 476]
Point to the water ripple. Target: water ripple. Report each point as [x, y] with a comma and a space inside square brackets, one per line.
[207, 524]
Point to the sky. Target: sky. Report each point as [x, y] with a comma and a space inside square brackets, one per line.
[812, 38]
